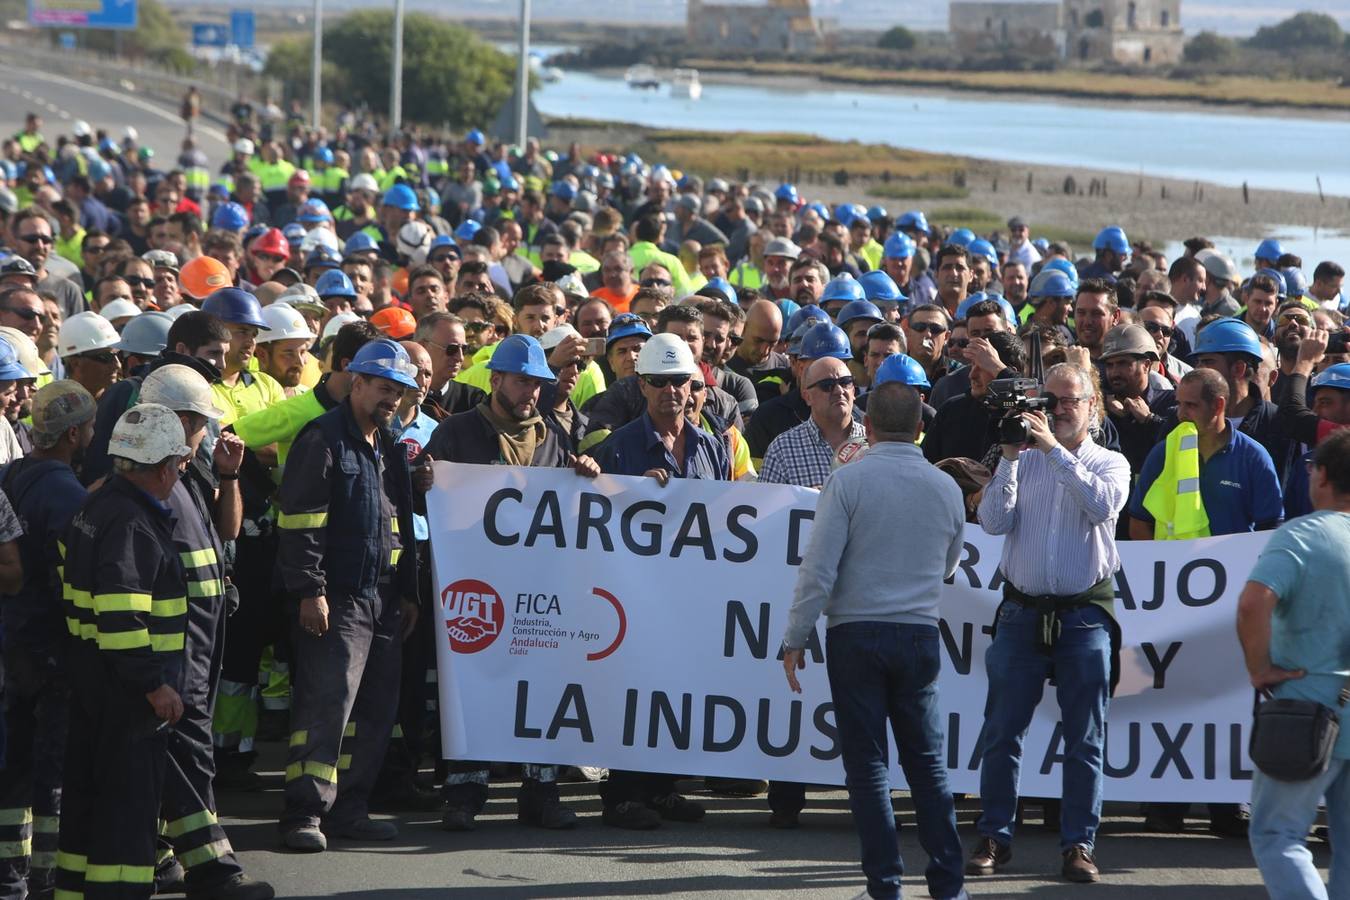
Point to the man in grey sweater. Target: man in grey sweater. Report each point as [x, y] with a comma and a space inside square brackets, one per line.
[882, 650]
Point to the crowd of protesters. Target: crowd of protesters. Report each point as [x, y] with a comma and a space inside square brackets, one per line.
[224, 382]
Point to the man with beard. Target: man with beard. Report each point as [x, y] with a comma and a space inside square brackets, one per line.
[507, 429]
[240, 391]
[779, 255]
[1015, 281]
[341, 553]
[927, 328]
[1095, 312]
[808, 278]
[1136, 407]
[283, 350]
[965, 425]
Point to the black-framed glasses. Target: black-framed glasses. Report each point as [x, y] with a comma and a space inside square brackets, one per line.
[662, 381]
[959, 343]
[37, 238]
[829, 384]
[933, 328]
[1159, 329]
[475, 327]
[656, 282]
[135, 281]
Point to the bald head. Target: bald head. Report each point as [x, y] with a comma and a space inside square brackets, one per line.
[421, 360]
[763, 324]
[831, 404]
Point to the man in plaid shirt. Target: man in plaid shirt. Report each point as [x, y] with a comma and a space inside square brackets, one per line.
[802, 455]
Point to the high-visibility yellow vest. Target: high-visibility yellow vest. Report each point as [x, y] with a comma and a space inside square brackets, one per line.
[745, 275]
[1174, 498]
[272, 176]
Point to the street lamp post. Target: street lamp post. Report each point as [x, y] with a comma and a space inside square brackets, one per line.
[396, 79]
[316, 69]
[523, 78]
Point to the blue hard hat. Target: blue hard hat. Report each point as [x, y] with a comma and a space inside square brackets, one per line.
[901, 368]
[858, 309]
[724, 286]
[237, 306]
[360, 242]
[323, 257]
[787, 192]
[334, 283]
[324, 155]
[981, 247]
[794, 340]
[107, 145]
[626, 325]
[1295, 282]
[314, 210]
[218, 190]
[845, 288]
[1227, 336]
[10, 370]
[254, 232]
[1051, 283]
[1337, 376]
[914, 219]
[1112, 238]
[824, 339]
[843, 213]
[1060, 264]
[804, 314]
[898, 246]
[384, 358]
[1281, 289]
[1042, 245]
[964, 307]
[563, 190]
[475, 137]
[230, 216]
[881, 288]
[146, 334]
[961, 237]
[400, 196]
[294, 233]
[876, 212]
[521, 354]
[98, 170]
[467, 229]
[820, 209]
[508, 182]
[443, 241]
[1269, 249]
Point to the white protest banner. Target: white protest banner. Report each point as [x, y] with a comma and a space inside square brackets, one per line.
[613, 622]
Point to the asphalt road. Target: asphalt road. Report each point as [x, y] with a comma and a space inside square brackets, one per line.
[60, 101]
[733, 853]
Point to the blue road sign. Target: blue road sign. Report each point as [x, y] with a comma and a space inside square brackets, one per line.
[241, 28]
[117, 14]
[208, 35]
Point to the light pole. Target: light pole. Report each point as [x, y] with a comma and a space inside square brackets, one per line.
[396, 79]
[316, 69]
[523, 78]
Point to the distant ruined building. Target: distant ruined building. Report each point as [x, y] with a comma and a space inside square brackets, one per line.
[1137, 32]
[781, 26]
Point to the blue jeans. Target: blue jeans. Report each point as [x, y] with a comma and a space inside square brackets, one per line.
[1017, 670]
[1281, 814]
[880, 672]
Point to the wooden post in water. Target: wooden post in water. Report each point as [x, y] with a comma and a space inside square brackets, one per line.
[1246, 195]
[1320, 196]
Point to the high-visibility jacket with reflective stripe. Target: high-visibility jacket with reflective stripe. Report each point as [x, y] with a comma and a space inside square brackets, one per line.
[1174, 498]
[125, 592]
[281, 422]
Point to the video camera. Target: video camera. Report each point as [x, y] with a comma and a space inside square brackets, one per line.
[1010, 396]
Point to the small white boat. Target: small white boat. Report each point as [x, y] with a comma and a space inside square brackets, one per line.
[684, 84]
[642, 77]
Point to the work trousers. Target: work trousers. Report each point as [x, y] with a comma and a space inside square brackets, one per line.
[258, 623]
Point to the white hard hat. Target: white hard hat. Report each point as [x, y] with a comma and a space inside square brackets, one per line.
[25, 350]
[119, 309]
[84, 333]
[414, 241]
[131, 134]
[180, 309]
[335, 325]
[666, 354]
[364, 182]
[555, 336]
[302, 296]
[80, 128]
[316, 236]
[285, 322]
[244, 146]
[181, 389]
[148, 434]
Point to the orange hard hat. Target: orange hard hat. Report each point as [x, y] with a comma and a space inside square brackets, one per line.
[203, 276]
[272, 241]
[400, 282]
[395, 321]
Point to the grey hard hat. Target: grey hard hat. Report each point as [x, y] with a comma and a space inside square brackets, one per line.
[1129, 340]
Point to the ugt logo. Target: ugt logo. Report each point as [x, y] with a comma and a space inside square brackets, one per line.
[473, 615]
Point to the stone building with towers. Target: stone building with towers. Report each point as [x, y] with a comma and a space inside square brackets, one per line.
[1130, 32]
[775, 26]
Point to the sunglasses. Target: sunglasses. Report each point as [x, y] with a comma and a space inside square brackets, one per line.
[103, 358]
[829, 384]
[933, 328]
[442, 257]
[656, 282]
[141, 282]
[24, 312]
[1302, 320]
[736, 340]
[270, 257]
[696, 387]
[94, 250]
[36, 238]
[1158, 328]
[475, 327]
[959, 343]
[455, 349]
[661, 381]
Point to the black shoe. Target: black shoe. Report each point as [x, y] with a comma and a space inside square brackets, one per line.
[989, 856]
[240, 887]
[459, 818]
[674, 808]
[784, 819]
[538, 805]
[405, 796]
[169, 877]
[1230, 821]
[632, 816]
[737, 787]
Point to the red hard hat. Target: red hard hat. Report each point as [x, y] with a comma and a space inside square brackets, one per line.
[300, 177]
[272, 241]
